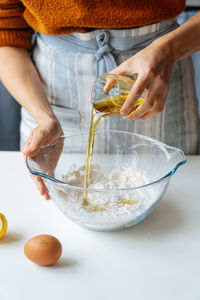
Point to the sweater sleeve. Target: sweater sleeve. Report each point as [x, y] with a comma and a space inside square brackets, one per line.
[14, 31]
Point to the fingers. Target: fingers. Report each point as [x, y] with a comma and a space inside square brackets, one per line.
[34, 143]
[141, 83]
[110, 84]
[135, 93]
[41, 186]
[44, 134]
[122, 69]
[152, 105]
[26, 146]
[153, 68]
[46, 196]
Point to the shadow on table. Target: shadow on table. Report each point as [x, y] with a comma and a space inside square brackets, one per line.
[9, 238]
[63, 263]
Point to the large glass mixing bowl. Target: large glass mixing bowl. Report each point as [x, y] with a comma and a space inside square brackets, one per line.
[129, 176]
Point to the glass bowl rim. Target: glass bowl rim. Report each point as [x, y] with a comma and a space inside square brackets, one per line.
[79, 188]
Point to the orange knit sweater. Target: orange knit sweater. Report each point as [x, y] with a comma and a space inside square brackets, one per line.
[18, 18]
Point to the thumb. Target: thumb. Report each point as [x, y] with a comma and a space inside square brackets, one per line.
[42, 135]
[111, 82]
[33, 144]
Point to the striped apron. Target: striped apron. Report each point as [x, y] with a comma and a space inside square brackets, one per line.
[69, 64]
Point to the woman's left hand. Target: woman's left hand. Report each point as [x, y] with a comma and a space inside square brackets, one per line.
[153, 66]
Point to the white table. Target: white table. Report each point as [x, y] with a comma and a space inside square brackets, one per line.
[158, 259]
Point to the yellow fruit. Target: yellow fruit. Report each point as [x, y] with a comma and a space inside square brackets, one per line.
[3, 225]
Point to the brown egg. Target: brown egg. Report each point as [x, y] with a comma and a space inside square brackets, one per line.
[43, 249]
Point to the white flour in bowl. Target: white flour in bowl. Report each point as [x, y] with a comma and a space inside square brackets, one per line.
[107, 208]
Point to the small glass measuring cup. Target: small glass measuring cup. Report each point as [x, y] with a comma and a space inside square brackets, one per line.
[109, 101]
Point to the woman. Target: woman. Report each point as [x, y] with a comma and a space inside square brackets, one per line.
[74, 42]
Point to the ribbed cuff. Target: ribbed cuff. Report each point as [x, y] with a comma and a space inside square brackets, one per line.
[17, 38]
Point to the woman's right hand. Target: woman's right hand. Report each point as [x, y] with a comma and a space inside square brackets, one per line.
[44, 134]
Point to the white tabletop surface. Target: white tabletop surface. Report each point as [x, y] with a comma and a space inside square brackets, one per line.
[158, 259]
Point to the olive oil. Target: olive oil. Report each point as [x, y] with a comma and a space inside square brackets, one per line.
[95, 121]
[108, 106]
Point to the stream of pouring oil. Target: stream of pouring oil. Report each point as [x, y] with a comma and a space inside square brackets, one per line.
[109, 106]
